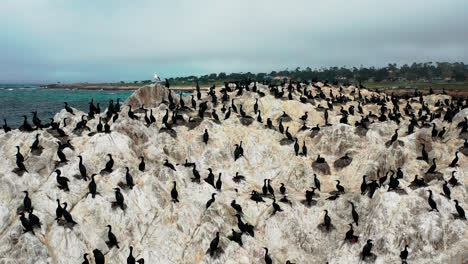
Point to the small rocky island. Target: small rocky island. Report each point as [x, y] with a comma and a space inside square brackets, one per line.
[246, 173]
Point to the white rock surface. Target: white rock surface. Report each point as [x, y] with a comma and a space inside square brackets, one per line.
[165, 232]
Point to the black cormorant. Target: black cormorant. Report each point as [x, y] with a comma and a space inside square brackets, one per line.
[174, 193]
[82, 168]
[316, 182]
[92, 186]
[214, 244]
[129, 178]
[366, 251]
[169, 165]
[98, 257]
[210, 201]
[62, 181]
[219, 183]
[112, 239]
[130, 258]
[205, 137]
[354, 214]
[327, 220]
[267, 257]
[460, 211]
[142, 166]
[119, 199]
[431, 202]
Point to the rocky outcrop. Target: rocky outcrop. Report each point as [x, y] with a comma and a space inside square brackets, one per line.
[162, 231]
[148, 95]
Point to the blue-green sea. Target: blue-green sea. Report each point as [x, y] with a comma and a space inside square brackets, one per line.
[17, 100]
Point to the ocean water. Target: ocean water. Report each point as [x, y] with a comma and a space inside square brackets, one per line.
[17, 100]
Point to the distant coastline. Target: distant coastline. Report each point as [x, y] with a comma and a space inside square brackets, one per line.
[110, 86]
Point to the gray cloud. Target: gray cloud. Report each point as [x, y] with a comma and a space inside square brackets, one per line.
[53, 40]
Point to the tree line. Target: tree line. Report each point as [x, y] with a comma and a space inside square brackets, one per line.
[427, 71]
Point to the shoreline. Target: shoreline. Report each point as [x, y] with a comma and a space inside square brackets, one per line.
[104, 86]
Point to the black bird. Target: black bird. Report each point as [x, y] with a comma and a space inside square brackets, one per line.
[316, 182]
[399, 174]
[131, 114]
[27, 202]
[304, 117]
[404, 254]
[454, 161]
[236, 207]
[433, 167]
[394, 137]
[304, 149]
[119, 198]
[152, 119]
[82, 168]
[256, 105]
[244, 227]
[62, 181]
[68, 108]
[112, 239]
[441, 133]
[237, 237]
[424, 155]
[228, 114]
[366, 251]
[460, 211]
[446, 189]
[109, 164]
[26, 225]
[174, 193]
[296, 148]
[270, 189]
[339, 187]
[431, 202]
[26, 126]
[205, 137]
[33, 219]
[215, 115]
[383, 178]
[5, 126]
[66, 215]
[282, 189]
[130, 258]
[237, 152]
[129, 178]
[214, 244]
[354, 214]
[142, 166]
[169, 165]
[219, 183]
[98, 257]
[254, 196]
[210, 201]
[238, 178]
[265, 188]
[320, 160]
[267, 257]
[327, 220]
[276, 207]
[453, 181]
[36, 120]
[280, 126]
[60, 153]
[58, 211]
[363, 185]
[85, 257]
[288, 135]
[92, 186]
[350, 234]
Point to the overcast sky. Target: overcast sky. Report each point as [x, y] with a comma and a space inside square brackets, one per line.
[112, 40]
